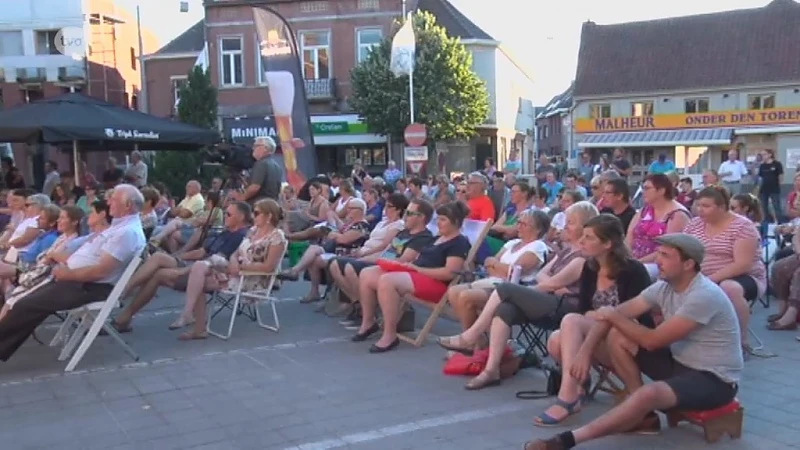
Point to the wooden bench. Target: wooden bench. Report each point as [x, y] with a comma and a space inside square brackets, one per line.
[717, 422]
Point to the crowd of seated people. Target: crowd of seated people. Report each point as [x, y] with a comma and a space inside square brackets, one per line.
[664, 291]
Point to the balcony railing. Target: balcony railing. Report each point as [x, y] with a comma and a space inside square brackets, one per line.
[72, 73]
[321, 89]
[32, 74]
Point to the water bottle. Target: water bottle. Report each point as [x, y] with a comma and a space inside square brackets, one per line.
[516, 274]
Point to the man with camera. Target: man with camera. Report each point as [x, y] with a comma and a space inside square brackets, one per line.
[265, 175]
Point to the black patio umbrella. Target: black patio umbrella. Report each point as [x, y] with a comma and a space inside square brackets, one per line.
[96, 125]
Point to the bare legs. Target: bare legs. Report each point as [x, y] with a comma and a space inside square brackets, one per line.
[391, 289]
[368, 296]
[467, 303]
[195, 288]
[735, 293]
[148, 269]
[162, 277]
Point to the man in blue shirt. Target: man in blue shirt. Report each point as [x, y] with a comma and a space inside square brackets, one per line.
[661, 165]
[162, 269]
[553, 188]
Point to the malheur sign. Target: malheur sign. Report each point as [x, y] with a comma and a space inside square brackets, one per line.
[71, 41]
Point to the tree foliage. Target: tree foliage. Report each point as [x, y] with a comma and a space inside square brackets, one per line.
[197, 106]
[449, 98]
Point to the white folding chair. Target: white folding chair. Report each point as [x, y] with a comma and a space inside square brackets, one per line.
[232, 300]
[90, 319]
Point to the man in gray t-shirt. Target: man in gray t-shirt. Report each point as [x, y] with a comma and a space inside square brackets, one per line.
[694, 356]
[265, 175]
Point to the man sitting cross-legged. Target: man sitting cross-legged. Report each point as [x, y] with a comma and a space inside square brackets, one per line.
[693, 356]
[162, 269]
[88, 275]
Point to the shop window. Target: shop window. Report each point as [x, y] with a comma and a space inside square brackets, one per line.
[695, 105]
[639, 109]
[599, 110]
[762, 101]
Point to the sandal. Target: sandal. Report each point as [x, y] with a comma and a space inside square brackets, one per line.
[483, 380]
[180, 323]
[455, 344]
[310, 299]
[775, 326]
[288, 274]
[546, 420]
[774, 317]
[192, 336]
[553, 443]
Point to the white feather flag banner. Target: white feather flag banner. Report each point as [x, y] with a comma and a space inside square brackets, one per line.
[404, 49]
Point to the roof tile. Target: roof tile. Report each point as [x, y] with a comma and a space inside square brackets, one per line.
[191, 40]
[452, 20]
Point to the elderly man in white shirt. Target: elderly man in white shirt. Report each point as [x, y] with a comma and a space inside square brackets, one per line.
[88, 275]
[731, 172]
[137, 172]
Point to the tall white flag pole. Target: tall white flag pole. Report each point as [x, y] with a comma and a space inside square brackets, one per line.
[403, 55]
[411, 78]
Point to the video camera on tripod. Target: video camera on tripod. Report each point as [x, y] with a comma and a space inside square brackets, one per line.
[235, 157]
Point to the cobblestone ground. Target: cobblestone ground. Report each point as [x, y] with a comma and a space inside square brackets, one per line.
[308, 387]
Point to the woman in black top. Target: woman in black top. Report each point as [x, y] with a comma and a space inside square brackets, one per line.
[610, 276]
[427, 278]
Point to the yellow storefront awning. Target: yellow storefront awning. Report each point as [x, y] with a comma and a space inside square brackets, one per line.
[659, 138]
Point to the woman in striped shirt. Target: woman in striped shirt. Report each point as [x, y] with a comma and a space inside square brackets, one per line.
[733, 252]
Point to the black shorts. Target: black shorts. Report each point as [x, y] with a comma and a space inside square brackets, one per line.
[749, 285]
[696, 390]
[357, 264]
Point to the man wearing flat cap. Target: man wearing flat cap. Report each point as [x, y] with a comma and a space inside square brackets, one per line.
[694, 356]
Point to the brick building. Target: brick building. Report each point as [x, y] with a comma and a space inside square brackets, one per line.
[332, 36]
[32, 67]
[687, 87]
[553, 131]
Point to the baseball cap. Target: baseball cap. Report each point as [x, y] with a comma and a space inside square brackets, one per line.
[688, 244]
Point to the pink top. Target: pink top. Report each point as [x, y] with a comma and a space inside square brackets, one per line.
[719, 248]
[647, 230]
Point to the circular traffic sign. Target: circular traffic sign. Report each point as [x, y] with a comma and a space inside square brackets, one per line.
[415, 135]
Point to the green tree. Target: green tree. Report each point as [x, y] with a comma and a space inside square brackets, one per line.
[449, 98]
[198, 106]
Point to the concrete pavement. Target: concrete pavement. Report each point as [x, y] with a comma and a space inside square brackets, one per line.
[308, 387]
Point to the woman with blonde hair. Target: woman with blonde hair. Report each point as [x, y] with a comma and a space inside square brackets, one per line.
[260, 251]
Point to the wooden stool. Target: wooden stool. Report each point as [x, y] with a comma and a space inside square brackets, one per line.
[715, 422]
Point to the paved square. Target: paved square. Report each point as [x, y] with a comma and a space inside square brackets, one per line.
[309, 387]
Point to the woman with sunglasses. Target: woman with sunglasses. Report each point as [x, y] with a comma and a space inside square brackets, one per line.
[426, 278]
[28, 230]
[379, 242]
[259, 251]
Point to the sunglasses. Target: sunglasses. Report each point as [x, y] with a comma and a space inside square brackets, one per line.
[461, 191]
[413, 213]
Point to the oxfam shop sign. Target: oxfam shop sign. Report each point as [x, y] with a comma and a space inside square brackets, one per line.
[339, 128]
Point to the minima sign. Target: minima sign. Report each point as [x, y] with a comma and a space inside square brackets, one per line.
[243, 131]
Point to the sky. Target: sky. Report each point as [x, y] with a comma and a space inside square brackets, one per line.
[543, 37]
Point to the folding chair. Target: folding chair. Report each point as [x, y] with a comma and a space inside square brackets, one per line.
[90, 319]
[232, 300]
[476, 232]
[533, 337]
[606, 382]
